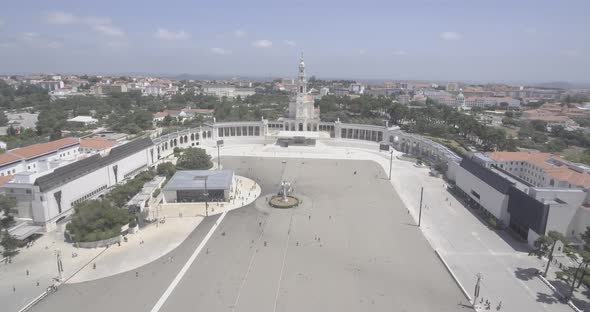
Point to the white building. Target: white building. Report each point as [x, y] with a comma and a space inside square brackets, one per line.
[48, 198]
[51, 85]
[38, 157]
[85, 120]
[531, 193]
[228, 91]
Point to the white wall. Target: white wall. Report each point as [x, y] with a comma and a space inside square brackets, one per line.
[561, 216]
[492, 200]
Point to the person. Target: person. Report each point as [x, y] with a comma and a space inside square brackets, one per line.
[136, 274]
[499, 306]
[27, 272]
[94, 266]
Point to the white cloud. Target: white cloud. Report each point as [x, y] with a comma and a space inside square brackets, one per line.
[101, 25]
[263, 43]
[220, 51]
[166, 34]
[399, 52]
[108, 30]
[240, 33]
[60, 18]
[290, 43]
[450, 35]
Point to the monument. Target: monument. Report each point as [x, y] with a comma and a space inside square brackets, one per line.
[303, 116]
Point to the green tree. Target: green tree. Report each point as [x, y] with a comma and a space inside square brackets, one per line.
[539, 125]
[3, 119]
[166, 169]
[194, 159]
[95, 220]
[9, 244]
[545, 245]
[7, 204]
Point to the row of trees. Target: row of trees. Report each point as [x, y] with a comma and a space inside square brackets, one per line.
[446, 122]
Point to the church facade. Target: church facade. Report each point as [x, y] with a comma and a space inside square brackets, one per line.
[303, 116]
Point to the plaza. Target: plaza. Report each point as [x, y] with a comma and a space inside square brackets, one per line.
[350, 246]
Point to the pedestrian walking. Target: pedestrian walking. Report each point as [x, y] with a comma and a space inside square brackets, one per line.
[13, 288]
[27, 272]
[94, 266]
[136, 274]
[37, 283]
[499, 306]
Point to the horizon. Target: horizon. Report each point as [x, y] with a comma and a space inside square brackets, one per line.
[424, 41]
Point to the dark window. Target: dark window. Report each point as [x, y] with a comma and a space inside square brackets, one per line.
[474, 193]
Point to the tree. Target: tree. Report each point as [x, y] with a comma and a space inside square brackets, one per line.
[3, 119]
[194, 159]
[177, 151]
[6, 206]
[545, 245]
[166, 169]
[539, 125]
[95, 220]
[9, 243]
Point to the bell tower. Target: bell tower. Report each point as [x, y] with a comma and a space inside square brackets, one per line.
[301, 82]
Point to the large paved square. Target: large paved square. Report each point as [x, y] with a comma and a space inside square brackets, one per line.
[351, 246]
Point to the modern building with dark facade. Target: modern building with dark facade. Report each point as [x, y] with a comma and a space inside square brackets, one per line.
[199, 186]
[528, 210]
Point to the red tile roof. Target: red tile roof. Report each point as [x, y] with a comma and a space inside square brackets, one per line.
[7, 158]
[36, 150]
[561, 173]
[5, 179]
[43, 148]
[97, 143]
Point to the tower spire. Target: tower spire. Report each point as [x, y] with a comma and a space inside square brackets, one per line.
[302, 83]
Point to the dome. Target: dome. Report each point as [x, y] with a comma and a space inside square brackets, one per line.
[460, 96]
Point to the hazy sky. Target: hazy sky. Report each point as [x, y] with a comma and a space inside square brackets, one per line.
[493, 40]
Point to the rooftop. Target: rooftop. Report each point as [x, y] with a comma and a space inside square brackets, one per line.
[97, 143]
[36, 150]
[195, 180]
[554, 166]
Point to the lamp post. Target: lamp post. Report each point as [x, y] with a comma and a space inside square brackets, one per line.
[476, 291]
[420, 214]
[390, 163]
[206, 194]
[219, 143]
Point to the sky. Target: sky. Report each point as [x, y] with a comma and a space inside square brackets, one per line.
[444, 40]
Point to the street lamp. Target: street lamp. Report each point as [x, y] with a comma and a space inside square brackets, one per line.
[205, 194]
[390, 163]
[219, 143]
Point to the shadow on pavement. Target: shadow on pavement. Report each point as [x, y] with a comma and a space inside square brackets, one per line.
[525, 274]
[546, 298]
[564, 288]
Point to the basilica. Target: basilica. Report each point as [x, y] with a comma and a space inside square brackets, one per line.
[303, 116]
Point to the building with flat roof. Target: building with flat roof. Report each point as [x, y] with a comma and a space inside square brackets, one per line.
[530, 193]
[199, 186]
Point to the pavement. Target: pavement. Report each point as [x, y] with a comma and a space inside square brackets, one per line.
[336, 251]
[466, 243]
[153, 241]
